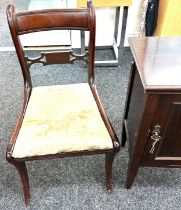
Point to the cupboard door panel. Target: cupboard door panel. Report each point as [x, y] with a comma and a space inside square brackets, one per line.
[171, 143]
[165, 144]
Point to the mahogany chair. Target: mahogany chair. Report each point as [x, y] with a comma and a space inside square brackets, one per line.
[49, 126]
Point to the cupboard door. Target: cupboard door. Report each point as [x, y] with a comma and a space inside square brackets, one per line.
[164, 137]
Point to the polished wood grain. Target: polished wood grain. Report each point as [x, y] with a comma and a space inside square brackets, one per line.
[56, 19]
[154, 100]
[32, 21]
[158, 60]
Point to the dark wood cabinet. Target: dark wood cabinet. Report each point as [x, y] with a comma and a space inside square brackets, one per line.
[152, 119]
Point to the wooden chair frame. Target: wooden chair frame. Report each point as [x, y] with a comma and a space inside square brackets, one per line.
[55, 19]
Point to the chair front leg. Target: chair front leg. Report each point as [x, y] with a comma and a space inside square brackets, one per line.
[108, 165]
[21, 167]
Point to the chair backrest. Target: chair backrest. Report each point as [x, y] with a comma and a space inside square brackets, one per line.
[52, 19]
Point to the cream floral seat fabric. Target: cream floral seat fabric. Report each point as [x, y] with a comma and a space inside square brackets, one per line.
[61, 119]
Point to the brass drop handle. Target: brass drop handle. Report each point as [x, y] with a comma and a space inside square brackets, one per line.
[155, 137]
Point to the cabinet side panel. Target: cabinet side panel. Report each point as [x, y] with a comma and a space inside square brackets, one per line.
[135, 111]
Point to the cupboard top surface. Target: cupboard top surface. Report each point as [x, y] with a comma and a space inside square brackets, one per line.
[158, 60]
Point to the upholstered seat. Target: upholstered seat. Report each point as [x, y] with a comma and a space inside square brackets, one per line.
[61, 119]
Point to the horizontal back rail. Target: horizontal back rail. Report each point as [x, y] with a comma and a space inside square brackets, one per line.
[42, 20]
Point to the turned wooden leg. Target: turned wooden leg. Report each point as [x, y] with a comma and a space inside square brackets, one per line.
[108, 164]
[21, 167]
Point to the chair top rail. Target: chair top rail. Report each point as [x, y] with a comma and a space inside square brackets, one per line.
[49, 19]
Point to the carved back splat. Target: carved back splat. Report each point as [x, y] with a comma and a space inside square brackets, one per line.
[58, 57]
